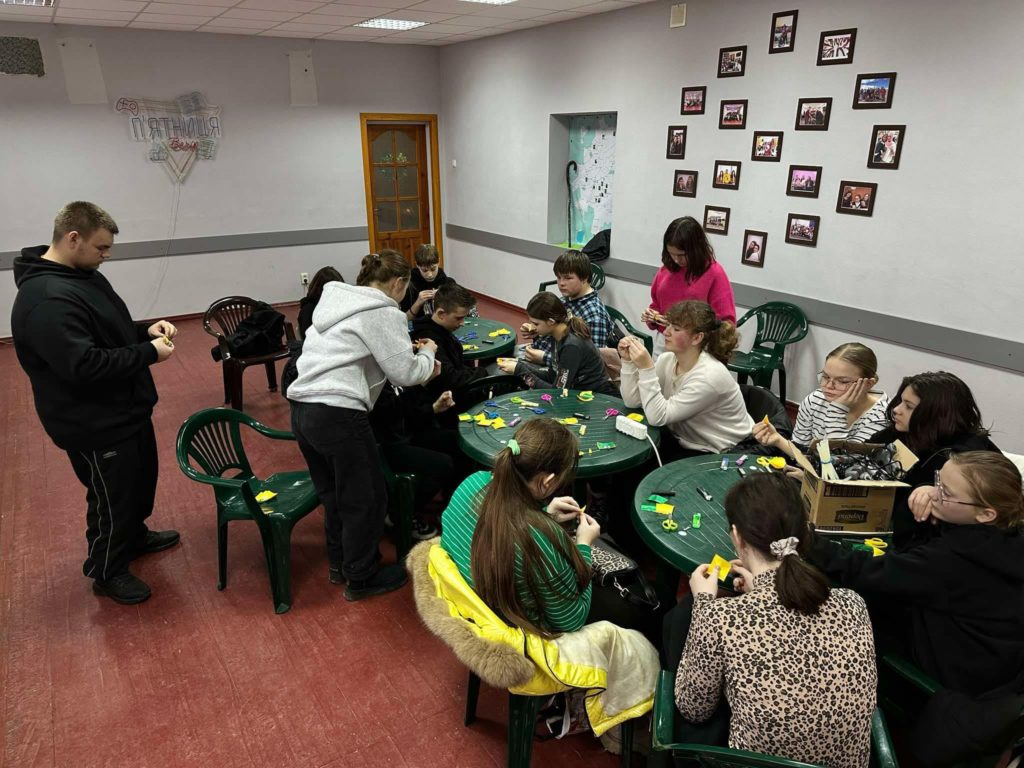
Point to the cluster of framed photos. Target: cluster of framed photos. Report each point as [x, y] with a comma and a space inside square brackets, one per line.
[871, 91]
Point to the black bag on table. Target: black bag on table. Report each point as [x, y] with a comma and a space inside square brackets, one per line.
[598, 248]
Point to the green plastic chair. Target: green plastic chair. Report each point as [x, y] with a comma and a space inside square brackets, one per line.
[212, 440]
[779, 324]
[620, 318]
[597, 278]
[487, 388]
[663, 742]
[401, 503]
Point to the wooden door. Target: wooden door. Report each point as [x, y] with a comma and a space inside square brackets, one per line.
[399, 191]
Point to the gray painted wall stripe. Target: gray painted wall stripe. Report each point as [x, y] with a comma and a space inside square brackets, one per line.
[148, 249]
[977, 348]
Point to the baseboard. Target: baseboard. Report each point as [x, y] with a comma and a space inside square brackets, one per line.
[499, 302]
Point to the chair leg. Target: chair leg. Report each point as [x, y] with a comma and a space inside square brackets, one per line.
[472, 694]
[271, 376]
[227, 381]
[782, 384]
[279, 563]
[235, 388]
[222, 554]
[627, 743]
[522, 722]
[741, 379]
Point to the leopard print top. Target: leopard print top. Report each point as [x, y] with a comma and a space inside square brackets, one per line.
[800, 686]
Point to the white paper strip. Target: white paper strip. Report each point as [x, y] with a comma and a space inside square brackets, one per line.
[83, 77]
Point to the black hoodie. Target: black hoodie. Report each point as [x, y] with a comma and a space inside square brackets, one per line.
[417, 283]
[963, 595]
[87, 361]
[455, 374]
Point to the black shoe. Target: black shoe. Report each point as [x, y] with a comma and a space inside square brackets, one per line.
[156, 541]
[123, 588]
[387, 579]
[335, 575]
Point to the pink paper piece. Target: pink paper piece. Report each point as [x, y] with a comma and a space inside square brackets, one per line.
[546, 398]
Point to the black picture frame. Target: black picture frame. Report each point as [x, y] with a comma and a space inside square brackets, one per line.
[814, 122]
[753, 259]
[726, 213]
[672, 150]
[800, 190]
[811, 242]
[733, 184]
[693, 109]
[728, 71]
[777, 147]
[874, 151]
[742, 104]
[827, 47]
[869, 98]
[688, 191]
[773, 38]
[856, 188]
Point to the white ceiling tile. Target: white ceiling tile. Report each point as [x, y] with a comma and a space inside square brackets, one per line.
[175, 9]
[446, 6]
[474, 22]
[319, 29]
[229, 30]
[555, 5]
[105, 5]
[372, 3]
[81, 13]
[275, 32]
[218, 4]
[362, 33]
[299, 6]
[323, 18]
[249, 13]
[554, 18]
[509, 12]
[220, 21]
[154, 25]
[444, 28]
[410, 14]
[168, 18]
[91, 22]
[607, 5]
[25, 12]
[346, 38]
[349, 11]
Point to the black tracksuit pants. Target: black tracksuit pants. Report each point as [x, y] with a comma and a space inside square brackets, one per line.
[120, 482]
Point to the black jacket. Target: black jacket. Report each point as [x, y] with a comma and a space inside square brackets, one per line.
[962, 592]
[906, 531]
[87, 361]
[575, 364]
[417, 284]
[455, 374]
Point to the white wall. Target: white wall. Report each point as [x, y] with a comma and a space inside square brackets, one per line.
[277, 167]
[942, 246]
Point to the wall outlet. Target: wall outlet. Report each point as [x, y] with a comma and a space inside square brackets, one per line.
[304, 278]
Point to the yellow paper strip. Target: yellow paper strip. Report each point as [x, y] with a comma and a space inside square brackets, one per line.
[724, 566]
[664, 509]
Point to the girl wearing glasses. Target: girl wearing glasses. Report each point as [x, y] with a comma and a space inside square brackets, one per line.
[843, 407]
[951, 604]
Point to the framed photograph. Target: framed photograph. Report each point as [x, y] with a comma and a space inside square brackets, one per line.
[836, 47]
[732, 62]
[692, 100]
[733, 114]
[676, 147]
[716, 220]
[783, 36]
[886, 146]
[856, 198]
[753, 248]
[685, 184]
[727, 174]
[803, 181]
[767, 146]
[802, 229]
[874, 91]
[813, 114]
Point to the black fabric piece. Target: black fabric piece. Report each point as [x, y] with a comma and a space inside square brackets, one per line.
[598, 248]
[261, 333]
[954, 727]
[455, 374]
[417, 283]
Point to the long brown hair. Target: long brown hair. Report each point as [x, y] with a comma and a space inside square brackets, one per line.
[994, 481]
[687, 235]
[503, 542]
[547, 306]
[323, 276]
[381, 267]
[858, 355]
[948, 410]
[720, 336]
[767, 508]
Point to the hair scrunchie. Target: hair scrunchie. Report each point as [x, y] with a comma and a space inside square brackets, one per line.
[784, 547]
[513, 446]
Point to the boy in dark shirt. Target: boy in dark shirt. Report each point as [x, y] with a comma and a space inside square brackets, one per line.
[426, 278]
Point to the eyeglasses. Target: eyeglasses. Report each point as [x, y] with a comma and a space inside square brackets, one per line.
[825, 380]
[944, 498]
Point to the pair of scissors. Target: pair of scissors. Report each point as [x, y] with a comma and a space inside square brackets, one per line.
[878, 546]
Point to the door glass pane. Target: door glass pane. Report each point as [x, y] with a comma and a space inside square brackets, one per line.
[405, 147]
[410, 214]
[382, 148]
[387, 217]
[408, 178]
[383, 182]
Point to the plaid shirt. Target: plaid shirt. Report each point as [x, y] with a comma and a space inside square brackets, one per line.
[591, 309]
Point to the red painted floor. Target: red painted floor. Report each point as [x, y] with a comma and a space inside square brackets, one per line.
[197, 677]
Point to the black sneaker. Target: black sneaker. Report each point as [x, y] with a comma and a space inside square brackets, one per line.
[387, 579]
[156, 541]
[422, 530]
[335, 575]
[123, 588]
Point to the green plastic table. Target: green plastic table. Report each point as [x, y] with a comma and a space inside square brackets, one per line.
[482, 443]
[502, 346]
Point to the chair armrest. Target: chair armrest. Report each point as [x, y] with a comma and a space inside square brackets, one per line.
[746, 316]
[200, 477]
[225, 349]
[882, 753]
[910, 673]
[289, 332]
[273, 434]
[545, 285]
[664, 713]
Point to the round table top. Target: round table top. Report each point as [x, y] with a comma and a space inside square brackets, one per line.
[501, 345]
[482, 443]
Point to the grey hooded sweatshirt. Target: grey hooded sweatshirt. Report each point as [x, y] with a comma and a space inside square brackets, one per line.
[359, 339]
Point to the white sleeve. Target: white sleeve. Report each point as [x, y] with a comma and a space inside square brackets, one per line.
[696, 395]
[629, 386]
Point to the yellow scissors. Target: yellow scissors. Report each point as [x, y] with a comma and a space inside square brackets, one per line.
[878, 546]
[773, 462]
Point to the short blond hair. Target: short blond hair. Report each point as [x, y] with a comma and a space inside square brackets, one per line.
[82, 217]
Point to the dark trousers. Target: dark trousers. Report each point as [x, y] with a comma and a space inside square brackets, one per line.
[341, 452]
[120, 487]
[426, 456]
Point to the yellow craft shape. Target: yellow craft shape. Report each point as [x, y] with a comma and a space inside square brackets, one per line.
[635, 416]
[500, 332]
[569, 420]
[465, 417]
[498, 423]
[724, 566]
[664, 509]
[265, 496]
[485, 422]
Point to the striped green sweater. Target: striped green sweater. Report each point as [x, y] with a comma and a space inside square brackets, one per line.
[564, 608]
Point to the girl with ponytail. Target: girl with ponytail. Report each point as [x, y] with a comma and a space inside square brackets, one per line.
[794, 657]
[688, 389]
[575, 361]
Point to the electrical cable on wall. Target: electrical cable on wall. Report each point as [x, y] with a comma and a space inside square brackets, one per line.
[172, 228]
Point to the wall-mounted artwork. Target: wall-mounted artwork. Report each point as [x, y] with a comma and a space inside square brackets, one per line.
[754, 243]
[886, 146]
[676, 147]
[716, 220]
[802, 229]
[767, 146]
[685, 184]
[732, 62]
[836, 47]
[856, 198]
[803, 181]
[727, 174]
[783, 36]
[692, 100]
[874, 91]
[733, 114]
[813, 114]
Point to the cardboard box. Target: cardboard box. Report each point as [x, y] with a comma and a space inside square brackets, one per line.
[854, 506]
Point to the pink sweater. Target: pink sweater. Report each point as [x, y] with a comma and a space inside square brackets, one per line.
[713, 287]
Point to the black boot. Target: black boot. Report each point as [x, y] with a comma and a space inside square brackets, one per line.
[387, 579]
[123, 588]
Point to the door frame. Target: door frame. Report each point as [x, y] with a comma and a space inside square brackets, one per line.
[365, 118]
